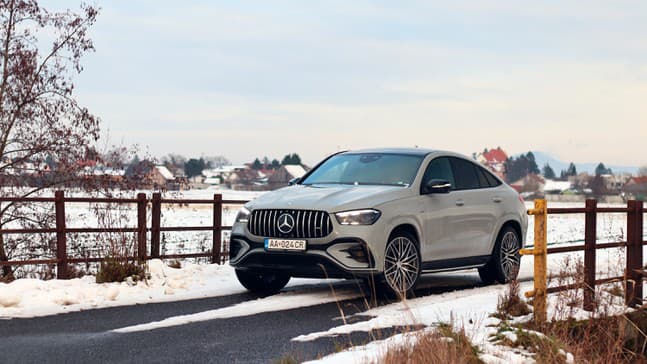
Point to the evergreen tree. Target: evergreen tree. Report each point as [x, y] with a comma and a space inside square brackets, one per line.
[257, 164]
[571, 171]
[291, 159]
[194, 167]
[549, 173]
[275, 164]
[601, 169]
[532, 164]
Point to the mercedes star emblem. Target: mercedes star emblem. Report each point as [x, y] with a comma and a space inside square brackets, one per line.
[285, 223]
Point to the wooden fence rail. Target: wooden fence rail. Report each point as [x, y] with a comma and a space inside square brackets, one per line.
[61, 230]
[634, 271]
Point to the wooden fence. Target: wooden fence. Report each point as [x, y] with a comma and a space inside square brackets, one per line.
[141, 230]
[634, 270]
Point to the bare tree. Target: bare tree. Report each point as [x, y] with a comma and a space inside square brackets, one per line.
[642, 171]
[46, 137]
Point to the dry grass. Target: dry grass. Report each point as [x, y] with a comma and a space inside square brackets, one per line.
[117, 270]
[511, 304]
[176, 264]
[602, 338]
[440, 346]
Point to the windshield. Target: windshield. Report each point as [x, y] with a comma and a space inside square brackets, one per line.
[367, 169]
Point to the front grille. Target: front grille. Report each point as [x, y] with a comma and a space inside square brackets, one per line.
[307, 224]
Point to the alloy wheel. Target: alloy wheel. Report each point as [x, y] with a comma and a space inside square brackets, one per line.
[401, 264]
[510, 257]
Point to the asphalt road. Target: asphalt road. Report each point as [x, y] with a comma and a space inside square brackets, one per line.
[82, 337]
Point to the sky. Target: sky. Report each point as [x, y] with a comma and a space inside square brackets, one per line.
[266, 78]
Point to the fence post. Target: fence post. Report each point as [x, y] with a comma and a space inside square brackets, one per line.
[540, 266]
[590, 237]
[141, 227]
[217, 229]
[638, 251]
[156, 212]
[633, 279]
[61, 238]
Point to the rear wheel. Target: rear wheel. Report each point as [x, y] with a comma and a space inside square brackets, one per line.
[504, 264]
[262, 283]
[401, 264]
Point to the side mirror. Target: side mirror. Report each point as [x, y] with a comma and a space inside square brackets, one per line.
[437, 186]
[294, 181]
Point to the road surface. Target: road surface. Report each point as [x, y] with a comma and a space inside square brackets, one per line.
[87, 336]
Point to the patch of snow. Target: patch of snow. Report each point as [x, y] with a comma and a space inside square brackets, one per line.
[295, 170]
[279, 302]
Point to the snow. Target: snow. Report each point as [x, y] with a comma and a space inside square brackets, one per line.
[34, 297]
[554, 185]
[295, 170]
[283, 301]
[165, 172]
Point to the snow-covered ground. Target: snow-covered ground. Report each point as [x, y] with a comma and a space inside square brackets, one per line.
[35, 297]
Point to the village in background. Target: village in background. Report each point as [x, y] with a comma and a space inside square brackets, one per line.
[176, 173]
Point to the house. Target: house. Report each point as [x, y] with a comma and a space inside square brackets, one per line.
[284, 174]
[494, 160]
[244, 179]
[636, 188]
[556, 187]
[146, 174]
[220, 175]
[532, 183]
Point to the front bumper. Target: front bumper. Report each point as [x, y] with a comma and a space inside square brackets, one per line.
[338, 255]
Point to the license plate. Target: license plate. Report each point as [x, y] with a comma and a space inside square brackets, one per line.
[285, 244]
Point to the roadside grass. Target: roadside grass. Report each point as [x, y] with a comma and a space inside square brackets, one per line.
[605, 335]
[442, 345]
[286, 359]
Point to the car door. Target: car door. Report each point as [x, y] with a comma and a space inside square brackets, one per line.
[439, 214]
[475, 222]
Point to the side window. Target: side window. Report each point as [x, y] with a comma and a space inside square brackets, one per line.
[491, 180]
[465, 174]
[439, 168]
[483, 182]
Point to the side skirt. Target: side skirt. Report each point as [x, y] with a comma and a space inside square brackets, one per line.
[455, 264]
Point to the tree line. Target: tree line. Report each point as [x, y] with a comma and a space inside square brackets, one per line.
[519, 167]
[194, 166]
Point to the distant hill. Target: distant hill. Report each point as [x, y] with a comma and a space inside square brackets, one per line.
[542, 158]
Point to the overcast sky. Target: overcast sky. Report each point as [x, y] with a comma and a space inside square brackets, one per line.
[245, 79]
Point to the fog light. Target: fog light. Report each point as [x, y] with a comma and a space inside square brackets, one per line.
[358, 253]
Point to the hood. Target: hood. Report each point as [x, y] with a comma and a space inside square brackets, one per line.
[331, 198]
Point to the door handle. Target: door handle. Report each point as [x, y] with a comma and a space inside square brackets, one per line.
[460, 202]
[497, 199]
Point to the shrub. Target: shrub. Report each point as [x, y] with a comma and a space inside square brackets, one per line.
[176, 264]
[511, 303]
[115, 270]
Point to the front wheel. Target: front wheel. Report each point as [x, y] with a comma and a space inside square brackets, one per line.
[264, 284]
[401, 264]
[505, 261]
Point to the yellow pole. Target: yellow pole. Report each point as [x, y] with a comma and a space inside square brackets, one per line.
[539, 251]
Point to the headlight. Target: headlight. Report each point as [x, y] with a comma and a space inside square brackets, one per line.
[358, 217]
[243, 215]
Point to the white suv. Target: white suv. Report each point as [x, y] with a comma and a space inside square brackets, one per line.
[386, 214]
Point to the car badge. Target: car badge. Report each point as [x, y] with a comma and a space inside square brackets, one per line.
[285, 223]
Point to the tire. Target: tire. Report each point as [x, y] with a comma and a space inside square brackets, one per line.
[264, 284]
[505, 261]
[401, 265]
